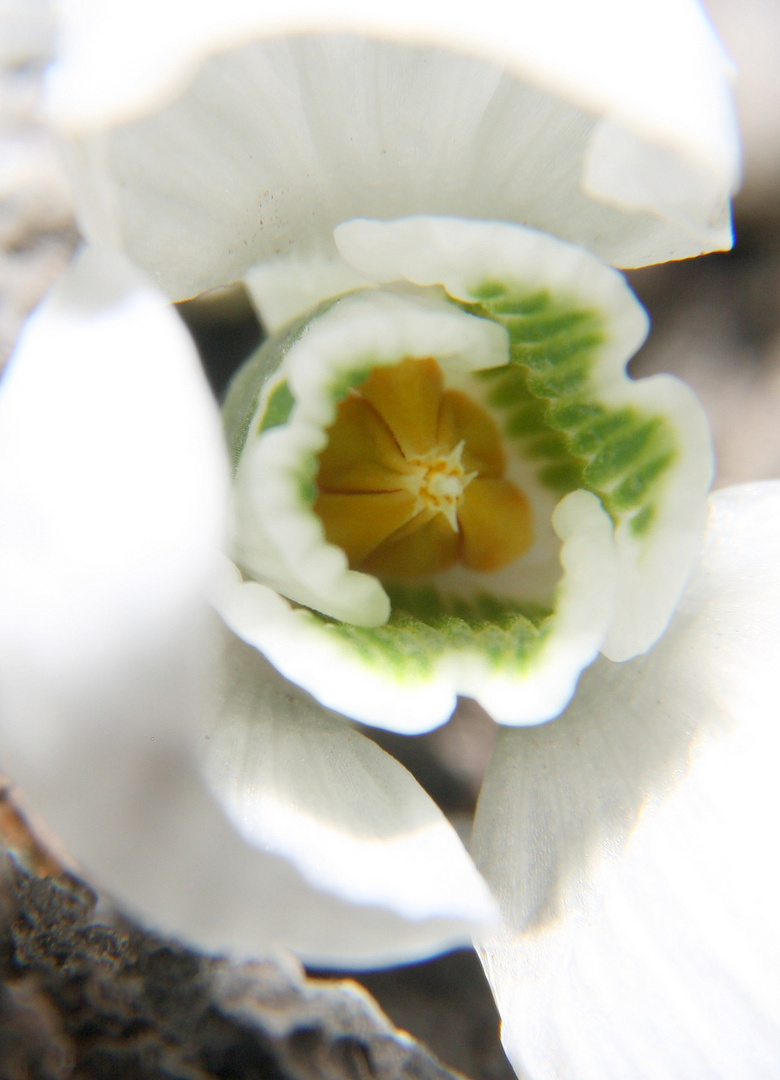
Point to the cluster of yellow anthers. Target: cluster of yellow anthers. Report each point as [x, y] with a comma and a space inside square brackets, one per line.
[412, 478]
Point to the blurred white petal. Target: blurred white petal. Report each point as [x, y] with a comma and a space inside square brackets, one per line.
[631, 843]
[112, 484]
[130, 799]
[608, 124]
[27, 31]
[299, 781]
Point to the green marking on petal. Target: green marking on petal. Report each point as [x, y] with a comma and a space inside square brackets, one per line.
[252, 382]
[349, 380]
[277, 411]
[570, 416]
[643, 520]
[430, 605]
[307, 480]
[425, 625]
[549, 404]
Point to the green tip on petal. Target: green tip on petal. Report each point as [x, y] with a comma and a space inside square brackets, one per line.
[503, 352]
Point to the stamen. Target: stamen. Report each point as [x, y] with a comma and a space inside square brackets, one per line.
[395, 478]
[438, 481]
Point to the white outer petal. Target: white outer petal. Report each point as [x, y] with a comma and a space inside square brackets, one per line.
[125, 793]
[632, 842]
[609, 124]
[113, 481]
[657, 70]
[300, 782]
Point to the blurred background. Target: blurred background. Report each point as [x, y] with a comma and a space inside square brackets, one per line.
[716, 323]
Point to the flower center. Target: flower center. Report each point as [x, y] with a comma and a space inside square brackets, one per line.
[411, 480]
[438, 480]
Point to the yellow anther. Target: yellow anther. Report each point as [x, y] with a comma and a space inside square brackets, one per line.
[438, 480]
[412, 481]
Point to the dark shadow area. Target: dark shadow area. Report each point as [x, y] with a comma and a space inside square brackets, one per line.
[226, 331]
[447, 1003]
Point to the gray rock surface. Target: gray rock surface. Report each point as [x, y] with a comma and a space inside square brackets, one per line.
[86, 994]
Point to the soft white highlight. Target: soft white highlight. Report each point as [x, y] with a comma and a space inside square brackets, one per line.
[113, 480]
[299, 781]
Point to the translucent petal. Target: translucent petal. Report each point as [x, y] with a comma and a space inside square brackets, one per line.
[631, 841]
[259, 152]
[299, 781]
[112, 481]
[606, 57]
[123, 787]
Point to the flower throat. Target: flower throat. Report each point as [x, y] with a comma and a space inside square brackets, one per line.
[412, 479]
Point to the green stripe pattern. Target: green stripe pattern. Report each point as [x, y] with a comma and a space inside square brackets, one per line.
[425, 625]
[546, 399]
[546, 402]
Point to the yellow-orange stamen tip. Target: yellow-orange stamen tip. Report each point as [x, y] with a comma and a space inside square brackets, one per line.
[438, 480]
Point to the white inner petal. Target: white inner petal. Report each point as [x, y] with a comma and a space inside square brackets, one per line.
[277, 538]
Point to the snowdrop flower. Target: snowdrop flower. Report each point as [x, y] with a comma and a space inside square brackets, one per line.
[456, 479]
[625, 839]
[212, 153]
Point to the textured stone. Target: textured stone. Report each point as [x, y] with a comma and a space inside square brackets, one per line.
[86, 993]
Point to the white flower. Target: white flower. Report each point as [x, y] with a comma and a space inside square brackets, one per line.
[626, 841]
[606, 124]
[580, 504]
